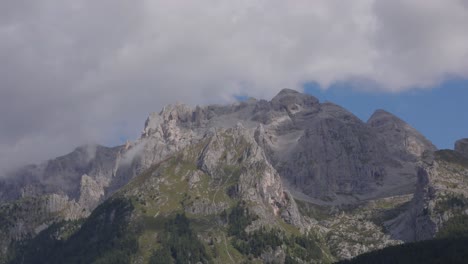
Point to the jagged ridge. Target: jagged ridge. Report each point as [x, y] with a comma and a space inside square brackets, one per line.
[352, 180]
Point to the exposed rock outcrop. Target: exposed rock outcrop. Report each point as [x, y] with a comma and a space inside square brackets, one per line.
[257, 181]
[402, 140]
[322, 150]
[461, 146]
[62, 175]
[91, 192]
[441, 193]
[265, 154]
[27, 217]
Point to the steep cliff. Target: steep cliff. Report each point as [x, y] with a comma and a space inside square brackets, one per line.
[441, 194]
[401, 139]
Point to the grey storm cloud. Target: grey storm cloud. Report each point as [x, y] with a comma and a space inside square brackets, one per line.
[80, 71]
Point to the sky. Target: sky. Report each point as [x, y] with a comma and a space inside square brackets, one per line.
[85, 71]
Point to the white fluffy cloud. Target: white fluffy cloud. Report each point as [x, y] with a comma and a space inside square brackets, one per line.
[78, 71]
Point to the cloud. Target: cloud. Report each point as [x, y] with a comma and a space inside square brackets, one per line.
[90, 71]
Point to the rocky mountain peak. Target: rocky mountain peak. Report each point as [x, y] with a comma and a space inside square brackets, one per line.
[292, 100]
[401, 138]
[287, 91]
[381, 117]
[174, 111]
[292, 163]
[170, 115]
[461, 146]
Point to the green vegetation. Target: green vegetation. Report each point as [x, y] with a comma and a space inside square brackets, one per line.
[452, 201]
[386, 211]
[106, 237]
[23, 209]
[455, 227]
[162, 256]
[297, 247]
[302, 247]
[312, 210]
[179, 244]
[239, 218]
[42, 247]
[144, 221]
[428, 252]
[452, 157]
[258, 241]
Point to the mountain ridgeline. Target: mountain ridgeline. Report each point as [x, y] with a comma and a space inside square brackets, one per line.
[290, 180]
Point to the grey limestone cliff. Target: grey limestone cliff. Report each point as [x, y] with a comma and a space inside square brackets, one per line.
[441, 193]
[401, 139]
[319, 149]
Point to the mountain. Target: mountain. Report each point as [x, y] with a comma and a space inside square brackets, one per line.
[403, 140]
[441, 194]
[290, 180]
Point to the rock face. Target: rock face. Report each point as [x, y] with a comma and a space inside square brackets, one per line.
[461, 146]
[326, 152]
[91, 192]
[441, 193]
[416, 224]
[27, 217]
[401, 139]
[321, 150]
[272, 156]
[330, 152]
[227, 165]
[62, 175]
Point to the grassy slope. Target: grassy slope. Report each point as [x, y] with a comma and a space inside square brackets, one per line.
[452, 250]
[131, 225]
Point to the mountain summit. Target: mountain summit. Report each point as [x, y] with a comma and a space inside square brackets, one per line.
[401, 138]
[286, 180]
